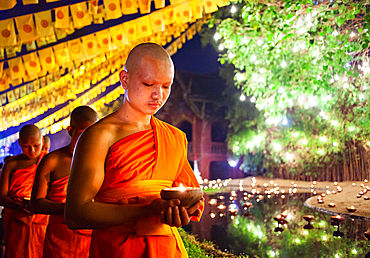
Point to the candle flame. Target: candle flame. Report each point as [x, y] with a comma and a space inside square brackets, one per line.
[182, 188]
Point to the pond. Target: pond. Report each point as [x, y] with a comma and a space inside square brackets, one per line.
[272, 225]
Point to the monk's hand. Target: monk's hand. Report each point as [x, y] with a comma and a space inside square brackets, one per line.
[195, 210]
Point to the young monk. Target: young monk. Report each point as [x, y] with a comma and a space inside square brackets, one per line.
[24, 232]
[50, 190]
[46, 144]
[122, 162]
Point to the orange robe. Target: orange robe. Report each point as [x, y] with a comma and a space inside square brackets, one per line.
[136, 169]
[60, 241]
[24, 233]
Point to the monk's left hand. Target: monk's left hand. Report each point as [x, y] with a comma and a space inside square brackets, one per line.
[178, 216]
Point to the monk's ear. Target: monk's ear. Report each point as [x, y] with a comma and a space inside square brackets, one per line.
[69, 130]
[123, 78]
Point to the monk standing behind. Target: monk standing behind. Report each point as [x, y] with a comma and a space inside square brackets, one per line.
[24, 232]
[50, 190]
[46, 144]
[123, 161]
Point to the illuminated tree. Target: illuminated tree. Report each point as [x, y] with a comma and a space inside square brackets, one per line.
[305, 66]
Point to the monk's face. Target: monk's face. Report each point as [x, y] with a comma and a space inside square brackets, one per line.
[149, 86]
[31, 146]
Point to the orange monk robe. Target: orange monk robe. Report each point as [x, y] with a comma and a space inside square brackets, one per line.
[24, 233]
[136, 169]
[60, 241]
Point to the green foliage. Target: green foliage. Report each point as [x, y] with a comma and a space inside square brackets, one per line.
[305, 68]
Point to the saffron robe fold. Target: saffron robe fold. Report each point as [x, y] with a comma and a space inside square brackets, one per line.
[136, 169]
[60, 241]
[24, 233]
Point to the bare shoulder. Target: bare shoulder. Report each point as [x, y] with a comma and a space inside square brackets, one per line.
[102, 132]
[53, 158]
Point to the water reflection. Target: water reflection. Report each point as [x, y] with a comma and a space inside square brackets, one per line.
[271, 225]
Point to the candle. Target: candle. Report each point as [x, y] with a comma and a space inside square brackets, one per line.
[353, 184]
[320, 201]
[366, 197]
[308, 218]
[187, 195]
[351, 209]
[331, 204]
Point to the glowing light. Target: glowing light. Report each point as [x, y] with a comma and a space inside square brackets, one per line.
[322, 113]
[233, 163]
[353, 34]
[221, 47]
[233, 9]
[272, 254]
[296, 134]
[253, 58]
[334, 123]
[253, 99]
[304, 141]
[297, 240]
[217, 36]
[231, 55]
[277, 147]
[295, 48]
[283, 64]
[262, 70]
[354, 251]
[284, 122]
[335, 144]
[323, 139]
[289, 156]
[242, 97]
[324, 238]
[335, 33]
[260, 42]
[351, 128]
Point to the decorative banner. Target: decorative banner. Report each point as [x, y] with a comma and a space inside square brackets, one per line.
[80, 15]
[119, 38]
[104, 41]
[129, 6]
[159, 4]
[32, 64]
[143, 25]
[90, 45]
[182, 13]
[209, 6]
[47, 59]
[144, 6]
[26, 2]
[168, 15]
[26, 28]
[44, 24]
[93, 6]
[7, 4]
[4, 80]
[7, 33]
[157, 21]
[62, 17]
[112, 9]
[76, 50]
[130, 29]
[62, 54]
[16, 68]
[197, 9]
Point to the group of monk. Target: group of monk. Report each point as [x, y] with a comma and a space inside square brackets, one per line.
[99, 196]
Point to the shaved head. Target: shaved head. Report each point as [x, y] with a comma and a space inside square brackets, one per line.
[148, 50]
[29, 131]
[46, 139]
[83, 114]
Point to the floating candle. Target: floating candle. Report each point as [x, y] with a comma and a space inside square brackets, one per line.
[308, 218]
[353, 184]
[320, 201]
[351, 209]
[331, 204]
[366, 197]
